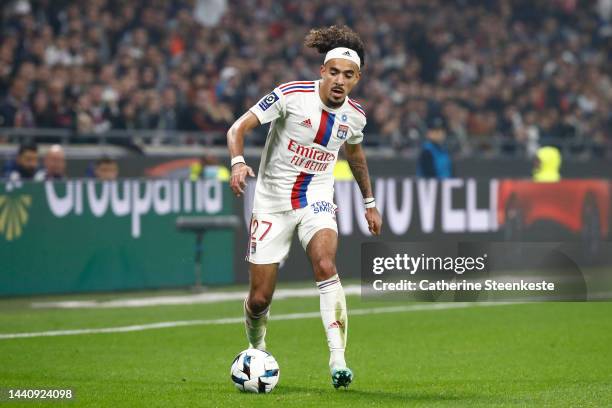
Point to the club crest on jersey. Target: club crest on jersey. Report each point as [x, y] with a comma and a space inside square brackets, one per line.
[342, 132]
[268, 101]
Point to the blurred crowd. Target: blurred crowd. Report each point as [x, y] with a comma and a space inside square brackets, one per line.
[26, 165]
[524, 70]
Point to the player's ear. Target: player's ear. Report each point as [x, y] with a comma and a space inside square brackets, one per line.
[322, 70]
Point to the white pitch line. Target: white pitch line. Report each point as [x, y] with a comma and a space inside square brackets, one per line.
[236, 320]
[199, 298]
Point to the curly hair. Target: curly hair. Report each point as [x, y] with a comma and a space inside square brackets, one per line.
[327, 38]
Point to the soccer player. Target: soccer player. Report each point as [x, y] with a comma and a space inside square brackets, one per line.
[310, 121]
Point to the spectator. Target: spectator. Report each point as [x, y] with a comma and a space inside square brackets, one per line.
[99, 110]
[25, 164]
[83, 119]
[434, 160]
[106, 169]
[128, 118]
[151, 114]
[15, 110]
[60, 106]
[170, 113]
[54, 165]
[204, 114]
[43, 115]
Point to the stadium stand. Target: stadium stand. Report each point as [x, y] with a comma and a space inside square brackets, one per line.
[504, 75]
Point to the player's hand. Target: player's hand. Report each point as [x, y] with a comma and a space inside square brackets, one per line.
[240, 171]
[374, 220]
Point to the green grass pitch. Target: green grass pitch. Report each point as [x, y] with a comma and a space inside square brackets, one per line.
[540, 354]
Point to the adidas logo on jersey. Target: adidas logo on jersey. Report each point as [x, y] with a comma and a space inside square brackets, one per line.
[346, 53]
[306, 123]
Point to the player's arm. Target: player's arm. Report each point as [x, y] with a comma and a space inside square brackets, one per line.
[359, 167]
[269, 108]
[235, 144]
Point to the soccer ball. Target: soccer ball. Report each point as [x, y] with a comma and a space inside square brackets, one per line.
[255, 371]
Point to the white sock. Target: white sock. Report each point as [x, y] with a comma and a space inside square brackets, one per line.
[335, 322]
[255, 324]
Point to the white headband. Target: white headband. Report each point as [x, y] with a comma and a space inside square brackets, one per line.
[344, 53]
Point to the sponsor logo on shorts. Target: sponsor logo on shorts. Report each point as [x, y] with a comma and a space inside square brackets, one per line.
[323, 207]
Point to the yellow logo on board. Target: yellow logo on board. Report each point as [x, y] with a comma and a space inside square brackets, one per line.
[13, 215]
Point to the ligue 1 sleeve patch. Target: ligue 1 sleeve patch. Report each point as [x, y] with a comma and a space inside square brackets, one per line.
[268, 101]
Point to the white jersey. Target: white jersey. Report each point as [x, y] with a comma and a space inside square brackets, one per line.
[302, 146]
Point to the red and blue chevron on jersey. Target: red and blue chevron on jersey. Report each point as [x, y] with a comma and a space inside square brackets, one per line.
[298, 86]
[326, 125]
[356, 106]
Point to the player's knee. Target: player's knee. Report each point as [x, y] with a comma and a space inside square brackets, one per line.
[324, 268]
[258, 302]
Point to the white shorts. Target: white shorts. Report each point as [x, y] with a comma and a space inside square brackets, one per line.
[271, 234]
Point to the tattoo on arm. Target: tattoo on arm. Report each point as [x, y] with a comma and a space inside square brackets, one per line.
[359, 167]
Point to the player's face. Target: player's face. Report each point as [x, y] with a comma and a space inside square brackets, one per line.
[338, 77]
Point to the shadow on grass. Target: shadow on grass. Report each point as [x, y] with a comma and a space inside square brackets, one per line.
[378, 396]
